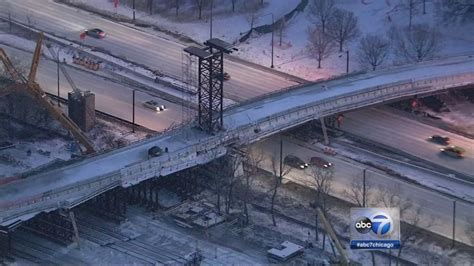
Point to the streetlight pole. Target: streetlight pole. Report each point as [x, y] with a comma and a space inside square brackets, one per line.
[210, 26]
[273, 30]
[347, 63]
[58, 79]
[133, 6]
[133, 111]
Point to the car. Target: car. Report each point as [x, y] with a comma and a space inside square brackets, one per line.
[320, 162]
[154, 105]
[453, 151]
[295, 162]
[442, 140]
[225, 76]
[96, 33]
[154, 151]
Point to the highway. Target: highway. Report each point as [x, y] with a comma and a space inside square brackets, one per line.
[398, 132]
[434, 206]
[153, 50]
[111, 97]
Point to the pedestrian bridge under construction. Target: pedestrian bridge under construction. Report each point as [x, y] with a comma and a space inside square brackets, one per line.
[85, 178]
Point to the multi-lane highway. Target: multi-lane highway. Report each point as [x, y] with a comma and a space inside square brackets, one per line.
[152, 50]
[111, 97]
[407, 135]
[434, 206]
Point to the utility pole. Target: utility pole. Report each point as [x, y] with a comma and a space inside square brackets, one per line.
[363, 190]
[210, 26]
[454, 224]
[273, 31]
[133, 6]
[281, 159]
[59, 96]
[347, 62]
[133, 111]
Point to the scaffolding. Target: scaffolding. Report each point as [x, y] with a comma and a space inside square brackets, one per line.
[188, 69]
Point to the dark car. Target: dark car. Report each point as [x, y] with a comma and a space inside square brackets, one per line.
[295, 162]
[154, 151]
[320, 162]
[224, 76]
[439, 139]
[96, 33]
[453, 151]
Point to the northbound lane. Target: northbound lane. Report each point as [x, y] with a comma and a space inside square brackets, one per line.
[147, 49]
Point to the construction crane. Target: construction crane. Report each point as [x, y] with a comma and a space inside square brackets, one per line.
[55, 55]
[35, 90]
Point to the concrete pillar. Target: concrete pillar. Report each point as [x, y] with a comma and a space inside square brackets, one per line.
[5, 242]
[325, 133]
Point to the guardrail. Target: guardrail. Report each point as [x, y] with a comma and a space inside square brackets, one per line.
[207, 149]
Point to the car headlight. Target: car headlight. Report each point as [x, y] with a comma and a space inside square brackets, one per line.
[302, 166]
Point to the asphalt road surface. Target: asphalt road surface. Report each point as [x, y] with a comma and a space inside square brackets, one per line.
[154, 50]
[398, 132]
[434, 207]
[111, 97]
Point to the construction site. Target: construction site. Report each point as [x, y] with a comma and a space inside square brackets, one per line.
[184, 153]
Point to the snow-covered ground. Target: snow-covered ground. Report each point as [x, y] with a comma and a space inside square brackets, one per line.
[292, 56]
[105, 135]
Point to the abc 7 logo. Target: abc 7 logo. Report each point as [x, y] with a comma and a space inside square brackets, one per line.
[380, 224]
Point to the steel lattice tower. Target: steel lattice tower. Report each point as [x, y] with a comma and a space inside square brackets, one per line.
[210, 83]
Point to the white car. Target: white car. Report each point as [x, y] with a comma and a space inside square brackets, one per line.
[154, 105]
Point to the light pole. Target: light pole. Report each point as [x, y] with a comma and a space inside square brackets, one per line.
[210, 26]
[273, 22]
[347, 61]
[133, 110]
[57, 61]
[133, 6]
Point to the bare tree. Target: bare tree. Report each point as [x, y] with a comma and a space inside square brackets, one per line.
[319, 45]
[411, 228]
[281, 26]
[200, 5]
[416, 44]
[278, 174]
[321, 180]
[252, 165]
[452, 11]
[412, 10]
[409, 213]
[343, 27]
[373, 50]
[356, 193]
[321, 11]
[251, 18]
[230, 172]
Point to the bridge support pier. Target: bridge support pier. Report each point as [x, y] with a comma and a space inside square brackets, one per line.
[325, 133]
[111, 204]
[74, 227]
[52, 225]
[5, 242]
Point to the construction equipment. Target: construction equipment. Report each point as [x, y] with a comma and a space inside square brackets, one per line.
[35, 90]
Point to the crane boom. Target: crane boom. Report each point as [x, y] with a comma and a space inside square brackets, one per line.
[63, 69]
[10, 68]
[34, 89]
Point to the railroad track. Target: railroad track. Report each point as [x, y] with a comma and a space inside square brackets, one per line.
[145, 252]
[31, 248]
